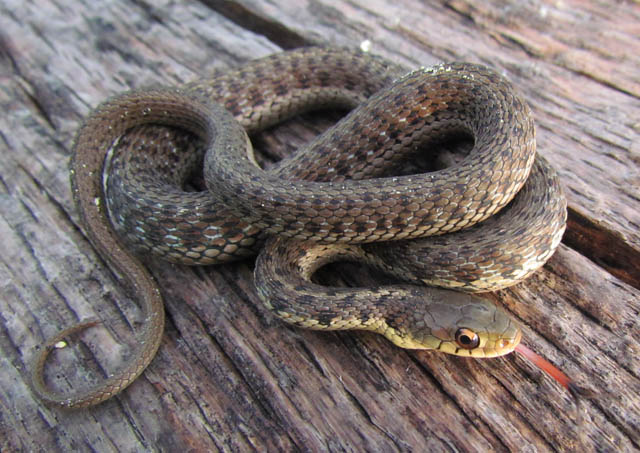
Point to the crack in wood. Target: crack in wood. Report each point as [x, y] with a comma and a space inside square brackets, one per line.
[363, 411]
[275, 31]
[603, 246]
[460, 408]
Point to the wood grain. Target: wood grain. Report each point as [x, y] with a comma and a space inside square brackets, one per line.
[231, 377]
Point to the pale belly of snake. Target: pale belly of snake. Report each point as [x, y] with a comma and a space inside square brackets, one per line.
[331, 201]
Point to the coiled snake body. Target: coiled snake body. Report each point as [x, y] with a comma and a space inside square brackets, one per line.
[328, 202]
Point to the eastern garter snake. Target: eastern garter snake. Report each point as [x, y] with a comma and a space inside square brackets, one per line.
[327, 202]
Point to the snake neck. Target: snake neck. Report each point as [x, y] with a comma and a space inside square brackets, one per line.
[283, 275]
[411, 316]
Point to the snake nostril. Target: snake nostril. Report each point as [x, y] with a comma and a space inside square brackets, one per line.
[467, 338]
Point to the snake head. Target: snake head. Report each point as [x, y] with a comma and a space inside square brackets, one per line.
[453, 322]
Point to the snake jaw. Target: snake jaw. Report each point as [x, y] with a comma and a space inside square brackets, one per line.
[504, 345]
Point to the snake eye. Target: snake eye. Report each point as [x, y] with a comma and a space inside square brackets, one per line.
[467, 338]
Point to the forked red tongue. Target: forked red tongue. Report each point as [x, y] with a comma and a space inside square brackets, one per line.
[545, 366]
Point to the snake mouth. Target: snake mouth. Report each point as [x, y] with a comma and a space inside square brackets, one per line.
[504, 346]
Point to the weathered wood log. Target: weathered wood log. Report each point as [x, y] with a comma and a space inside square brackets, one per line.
[230, 376]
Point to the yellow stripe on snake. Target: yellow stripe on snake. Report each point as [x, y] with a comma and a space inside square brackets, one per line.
[331, 201]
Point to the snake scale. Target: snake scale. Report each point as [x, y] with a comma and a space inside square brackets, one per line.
[333, 200]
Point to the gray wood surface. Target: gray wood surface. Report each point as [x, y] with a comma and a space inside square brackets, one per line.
[231, 377]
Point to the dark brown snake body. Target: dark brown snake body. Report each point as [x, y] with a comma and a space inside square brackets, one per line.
[328, 202]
